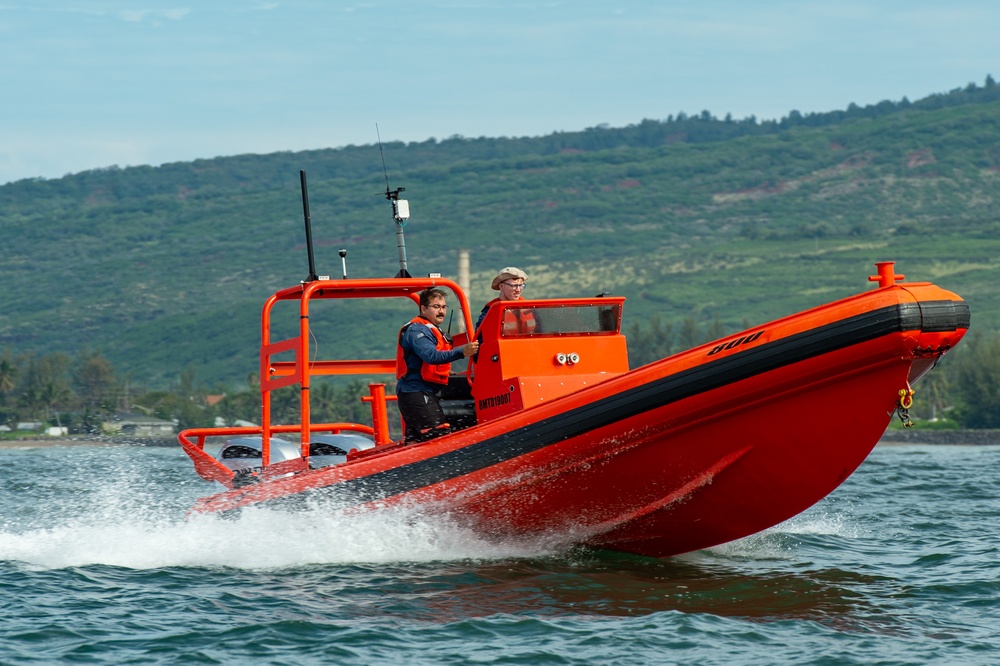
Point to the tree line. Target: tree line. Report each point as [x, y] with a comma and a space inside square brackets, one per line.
[82, 392]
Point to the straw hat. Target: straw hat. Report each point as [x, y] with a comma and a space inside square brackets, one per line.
[509, 273]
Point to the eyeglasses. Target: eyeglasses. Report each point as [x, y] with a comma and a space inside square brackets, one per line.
[438, 307]
[514, 285]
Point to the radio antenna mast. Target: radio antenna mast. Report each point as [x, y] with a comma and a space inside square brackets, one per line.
[309, 238]
[400, 212]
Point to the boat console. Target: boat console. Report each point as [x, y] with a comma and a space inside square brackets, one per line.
[534, 351]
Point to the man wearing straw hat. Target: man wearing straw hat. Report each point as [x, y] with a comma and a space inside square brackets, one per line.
[510, 283]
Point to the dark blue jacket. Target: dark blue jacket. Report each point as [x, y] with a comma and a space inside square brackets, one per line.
[419, 346]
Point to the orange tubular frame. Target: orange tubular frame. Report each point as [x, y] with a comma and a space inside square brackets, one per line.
[278, 374]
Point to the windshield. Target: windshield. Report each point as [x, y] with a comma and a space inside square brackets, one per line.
[596, 319]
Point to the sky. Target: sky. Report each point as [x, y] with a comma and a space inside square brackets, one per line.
[88, 84]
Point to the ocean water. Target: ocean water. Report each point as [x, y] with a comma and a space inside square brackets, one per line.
[98, 565]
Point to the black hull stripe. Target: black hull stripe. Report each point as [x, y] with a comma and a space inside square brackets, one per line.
[944, 316]
[937, 316]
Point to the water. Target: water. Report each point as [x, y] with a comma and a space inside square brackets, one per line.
[99, 566]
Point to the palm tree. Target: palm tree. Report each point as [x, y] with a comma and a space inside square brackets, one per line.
[95, 379]
[8, 374]
[51, 396]
[324, 404]
[688, 336]
[935, 387]
[8, 381]
[285, 405]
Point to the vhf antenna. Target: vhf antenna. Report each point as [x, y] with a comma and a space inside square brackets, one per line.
[309, 236]
[400, 211]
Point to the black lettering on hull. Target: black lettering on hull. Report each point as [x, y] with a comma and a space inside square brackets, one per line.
[743, 340]
[494, 401]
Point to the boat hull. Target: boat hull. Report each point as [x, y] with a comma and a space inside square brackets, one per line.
[692, 451]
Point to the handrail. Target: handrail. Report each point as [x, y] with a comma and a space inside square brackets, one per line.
[277, 374]
[346, 367]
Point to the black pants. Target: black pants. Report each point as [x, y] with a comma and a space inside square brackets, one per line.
[422, 415]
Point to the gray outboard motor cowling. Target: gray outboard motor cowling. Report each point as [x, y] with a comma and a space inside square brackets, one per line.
[243, 455]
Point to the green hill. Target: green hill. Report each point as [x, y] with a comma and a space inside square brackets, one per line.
[731, 222]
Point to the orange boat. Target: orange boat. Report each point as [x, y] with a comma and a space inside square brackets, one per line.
[557, 438]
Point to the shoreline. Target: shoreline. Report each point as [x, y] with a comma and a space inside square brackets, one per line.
[45, 442]
[889, 438]
[941, 437]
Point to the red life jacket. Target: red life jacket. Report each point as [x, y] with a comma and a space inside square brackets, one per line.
[435, 374]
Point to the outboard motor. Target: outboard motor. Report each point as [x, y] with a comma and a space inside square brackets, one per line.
[244, 455]
[326, 450]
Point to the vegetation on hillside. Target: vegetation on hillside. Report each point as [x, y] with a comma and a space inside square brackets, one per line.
[724, 223]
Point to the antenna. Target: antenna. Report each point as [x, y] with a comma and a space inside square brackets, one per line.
[309, 236]
[400, 211]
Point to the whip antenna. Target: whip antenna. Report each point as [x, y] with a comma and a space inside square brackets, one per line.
[400, 211]
[309, 236]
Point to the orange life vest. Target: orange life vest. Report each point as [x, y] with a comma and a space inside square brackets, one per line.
[435, 374]
[514, 321]
[519, 321]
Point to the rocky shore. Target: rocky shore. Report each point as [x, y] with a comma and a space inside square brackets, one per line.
[975, 437]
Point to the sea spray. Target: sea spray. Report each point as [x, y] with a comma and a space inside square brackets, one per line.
[114, 510]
